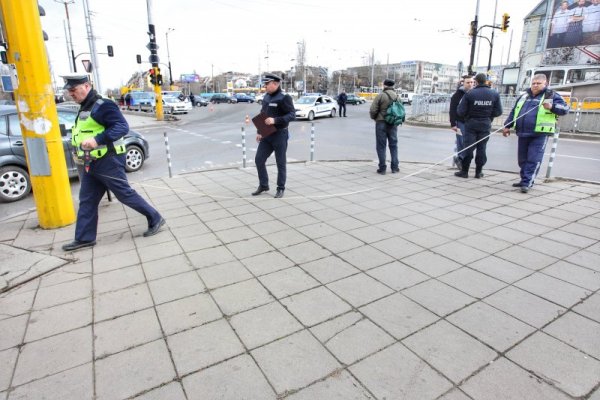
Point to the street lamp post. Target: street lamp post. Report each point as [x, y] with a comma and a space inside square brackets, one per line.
[169, 58]
[70, 41]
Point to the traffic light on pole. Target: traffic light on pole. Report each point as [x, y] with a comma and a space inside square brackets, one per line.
[152, 76]
[110, 51]
[505, 22]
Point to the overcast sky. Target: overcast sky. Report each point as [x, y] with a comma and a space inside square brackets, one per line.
[248, 35]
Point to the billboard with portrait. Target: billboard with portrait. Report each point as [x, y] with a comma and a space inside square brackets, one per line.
[574, 23]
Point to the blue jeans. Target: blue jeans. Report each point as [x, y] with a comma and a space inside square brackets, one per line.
[460, 139]
[386, 134]
[277, 143]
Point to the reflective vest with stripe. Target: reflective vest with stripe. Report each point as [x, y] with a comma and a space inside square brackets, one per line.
[545, 121]
[86, 127]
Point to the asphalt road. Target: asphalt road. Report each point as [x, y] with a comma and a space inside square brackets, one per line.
[210, 137]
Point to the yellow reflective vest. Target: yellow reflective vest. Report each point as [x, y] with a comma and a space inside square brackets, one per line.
[545, 121]
[86, 127]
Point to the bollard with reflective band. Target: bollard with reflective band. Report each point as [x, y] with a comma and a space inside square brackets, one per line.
[552, 154]
[168, 154]
[312, 141]
[243, 147]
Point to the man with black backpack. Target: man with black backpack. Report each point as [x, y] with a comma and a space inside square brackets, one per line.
[387, 120]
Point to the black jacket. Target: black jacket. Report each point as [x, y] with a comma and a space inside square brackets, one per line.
[480, 103]
[454, 101]
[279, 106]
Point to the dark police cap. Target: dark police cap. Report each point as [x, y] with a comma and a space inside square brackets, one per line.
[271, 77]
[389, 83]
[74, 79]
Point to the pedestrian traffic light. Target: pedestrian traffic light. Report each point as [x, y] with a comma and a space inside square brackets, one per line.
[505, 22]
[159, 80]
[109, 48]
[152, 76]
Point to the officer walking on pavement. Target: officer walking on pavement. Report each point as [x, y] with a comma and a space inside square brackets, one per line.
[97, 138]
[279, 108]
[478, 107]
[534, 117]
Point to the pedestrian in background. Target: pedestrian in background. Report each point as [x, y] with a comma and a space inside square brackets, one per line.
[341, 100]
[385, 134]
[97, 140]
[457, 124]
[534, 118]
[478, 107]
[280, 111]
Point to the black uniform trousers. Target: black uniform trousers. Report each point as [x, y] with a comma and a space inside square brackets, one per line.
[107, 172]
[277, 143]
[475, 130]
[342, 107]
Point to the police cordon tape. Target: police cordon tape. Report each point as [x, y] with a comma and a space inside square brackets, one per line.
[325, 196]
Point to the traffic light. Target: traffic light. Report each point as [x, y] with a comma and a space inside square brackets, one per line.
[159, 80]
[505, 22]
[109, 48]
[152, 76]
[43, 14]
[473, 28]
[138, 58]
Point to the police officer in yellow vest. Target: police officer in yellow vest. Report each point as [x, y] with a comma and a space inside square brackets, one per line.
[97, 139]
[534, 118]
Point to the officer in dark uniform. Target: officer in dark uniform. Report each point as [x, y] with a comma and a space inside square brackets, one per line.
[279, 108]
[97, 142]
[478, 107]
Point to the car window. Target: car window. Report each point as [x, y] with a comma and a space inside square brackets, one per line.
[13, 125]
[67, 118]
[3, 127]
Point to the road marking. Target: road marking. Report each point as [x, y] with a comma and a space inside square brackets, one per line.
[579, 158]
[226, 142]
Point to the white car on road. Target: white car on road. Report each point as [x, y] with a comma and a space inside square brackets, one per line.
[310, 107]
[172, 105]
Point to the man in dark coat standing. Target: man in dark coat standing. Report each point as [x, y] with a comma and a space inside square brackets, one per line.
[342, 99]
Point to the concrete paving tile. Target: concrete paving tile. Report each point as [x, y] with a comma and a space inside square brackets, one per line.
[473, 223]
[224, 274]
[396, 373]
[397, 227]
[67, 273]
[422, 220]
[118, 279]
[339, 242]
[590, 307]
[580, 229]
[503, 380]
[329, 269]
[484, 242]
[549, 247]
[397, 275]
[250, 247]
[451, 351]
[264, 324]
[472, 282]
[166, 267]
[529, 227]
[294, 362]
[500, 269]
[112, 304]
[325, 331]
[161, 250]
[284, 238]
[264, 224]
[526, 257]
[578, 331]
[317, 230]
[238, 378]
[63, 293]
[425, 238]
[124, 332]
[199, 242]
[241, 296]
[8, 359]
[586, 259]
[72, 384]
[13, 304]
[397, 247]
[574, 274]
[455, 394]
[54, 354]
[344, 224]
[451, 231]
[205, 345]
[568, 369]
[298, 220]
[553, 289]
[223, 223]
[305, 252]
[508, 235]
[595, 395]
[398, 315]
[267, 263]
[175, 287]
[491, 326]
[57, 319]
[370, 234]
[459, 252]
[438, 297]
[339, 386]
[12, 331]
[171, 391]
[116, 260]
[195, 228]
[315, 306]
[187, 313]
[133, 371]
[365, 257]
[287, 282]
[359, 289]
[431, 264]
[571, 238]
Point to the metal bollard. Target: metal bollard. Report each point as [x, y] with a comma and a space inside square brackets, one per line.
[168, 153]
[312, 141]
[552, 154]
[243, 147]
[577, 117]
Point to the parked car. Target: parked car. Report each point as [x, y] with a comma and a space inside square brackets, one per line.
[15, 183]
[200, 101]
[243, 98]
[172, 105]
[310, 107]
[222, 98]
[406, 97]
[354, 99]
[259, 98]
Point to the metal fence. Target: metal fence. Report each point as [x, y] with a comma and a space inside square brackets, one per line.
[583, 116]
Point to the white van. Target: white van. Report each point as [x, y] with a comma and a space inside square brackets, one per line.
[406, 97]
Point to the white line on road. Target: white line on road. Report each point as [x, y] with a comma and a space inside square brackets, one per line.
[579, 158]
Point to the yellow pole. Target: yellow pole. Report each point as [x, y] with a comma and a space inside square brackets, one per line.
[37, 113]
[160, 116]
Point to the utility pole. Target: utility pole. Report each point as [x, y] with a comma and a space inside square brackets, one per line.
[154, 60]
[44, 151]
[169, 58]
[474, 28]
[92, 44]
[372, 68]
[489, 66]
[70, 38]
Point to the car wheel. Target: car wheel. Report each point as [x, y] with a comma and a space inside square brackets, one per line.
[332, 113]
[259, 101]
[311, 116]
[14, 184]
[134, 158]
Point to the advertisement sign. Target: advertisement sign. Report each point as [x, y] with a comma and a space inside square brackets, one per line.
[574, 23]
[190, 78]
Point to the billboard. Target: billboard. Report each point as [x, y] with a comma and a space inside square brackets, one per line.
[574, 23]
[189, 78]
